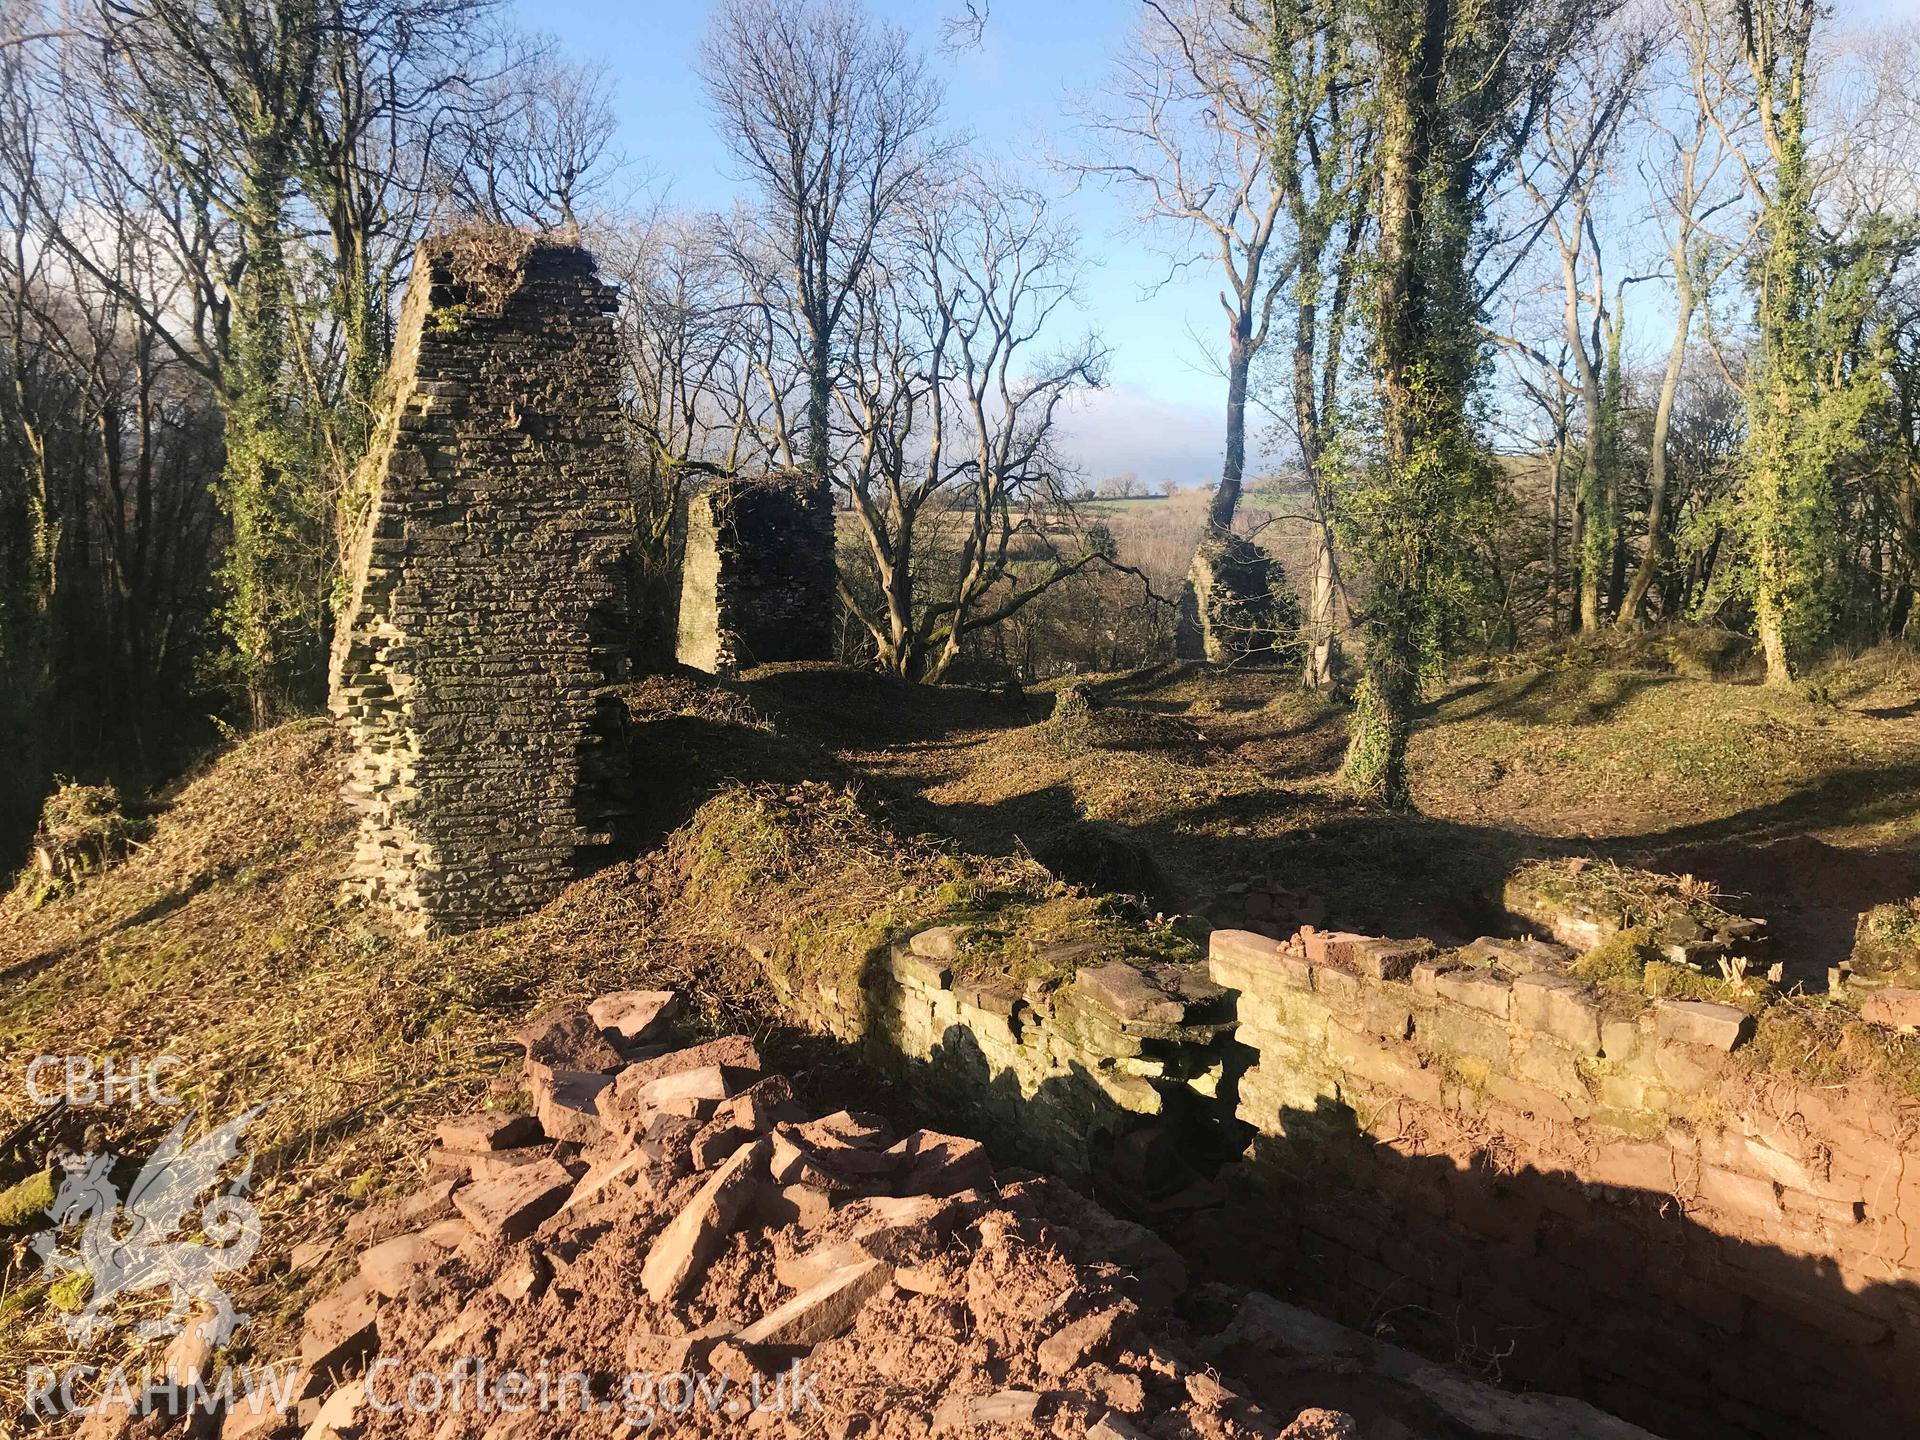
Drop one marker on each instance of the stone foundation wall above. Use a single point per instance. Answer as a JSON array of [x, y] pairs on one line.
[[488, 615], [1602, 1199], [757, 581], [1485, 1161], [1090, 1079]]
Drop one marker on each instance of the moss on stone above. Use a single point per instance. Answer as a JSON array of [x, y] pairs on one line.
[[1821, 1040], [818, 885]]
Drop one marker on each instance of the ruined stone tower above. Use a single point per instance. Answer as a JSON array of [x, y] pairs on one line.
[[488, 615], [757, 581]]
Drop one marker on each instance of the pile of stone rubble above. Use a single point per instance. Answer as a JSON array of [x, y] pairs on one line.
[[668, 1240]]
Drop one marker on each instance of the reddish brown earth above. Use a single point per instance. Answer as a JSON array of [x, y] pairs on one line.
[[709, 1260]]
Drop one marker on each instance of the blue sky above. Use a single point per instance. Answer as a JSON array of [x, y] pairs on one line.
[[1162, 412]]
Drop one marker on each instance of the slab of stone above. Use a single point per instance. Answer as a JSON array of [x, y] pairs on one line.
[[1702, 1022], [339, 1329], [833, 1167], [1560, 1006], [1476, 989], [490, 1164], [942, 1164], [681, 1252], [568, 1039], [744, 1117], [1003, 1407], [736, 1055], [803, 1206], [1377, 959], [391, 1267], [1084, 1339], [1242, 960], [610, 1178], [567, 1102], [823, 1310], [1893, 1006], [510, 1207], [339, 1415], [910, 968], [1129, 994], [939, 942], [709, 1082], [990, 996], [1517, 957], [487, 1130], [636, 1016]]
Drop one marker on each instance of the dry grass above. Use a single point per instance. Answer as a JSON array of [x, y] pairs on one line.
[[223, 942], [819, 883]]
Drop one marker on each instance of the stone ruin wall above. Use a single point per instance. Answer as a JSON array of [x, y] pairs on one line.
[[757, 580], [1236, 606], [1496, 1169], [488, 614]]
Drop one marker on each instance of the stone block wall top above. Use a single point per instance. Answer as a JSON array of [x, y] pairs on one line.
[[488, 616]]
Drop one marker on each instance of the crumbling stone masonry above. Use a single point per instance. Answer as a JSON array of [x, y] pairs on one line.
[[1236, 606], [488, 615], [1582, 1192], [758, 579]]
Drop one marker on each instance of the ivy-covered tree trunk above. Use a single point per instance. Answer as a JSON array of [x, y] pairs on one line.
[[267, 615], [1411, 48], [1803, 411], [1412, 514]]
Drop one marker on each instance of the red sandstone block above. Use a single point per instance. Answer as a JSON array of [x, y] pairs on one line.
[[1856, 1150], [1340, 990], [1477, 990], [1739, 1194], [1367, 1059], [1701, 1022], [1634, 1165], [1532, 1100], [1547, 1063], [1688, 1068], [1896, 1007], [1242, 960], [1559, 1006]]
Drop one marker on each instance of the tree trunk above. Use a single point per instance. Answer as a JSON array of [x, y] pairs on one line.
[[1322, 656], [1323, 637], [1659, 542], [256, 431], [1189, 642], [1408, 96]]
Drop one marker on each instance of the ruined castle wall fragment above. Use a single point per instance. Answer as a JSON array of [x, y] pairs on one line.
[[488, 614]]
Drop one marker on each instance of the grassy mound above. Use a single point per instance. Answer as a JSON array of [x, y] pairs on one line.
[[1575, 743], [817, 883]]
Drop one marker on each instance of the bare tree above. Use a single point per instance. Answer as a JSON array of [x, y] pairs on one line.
[[952, 397], [538, 142], [1683, 172], [1565, 177], [831, 117]]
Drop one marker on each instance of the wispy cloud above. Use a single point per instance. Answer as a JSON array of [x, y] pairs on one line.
[[1120, 429]]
